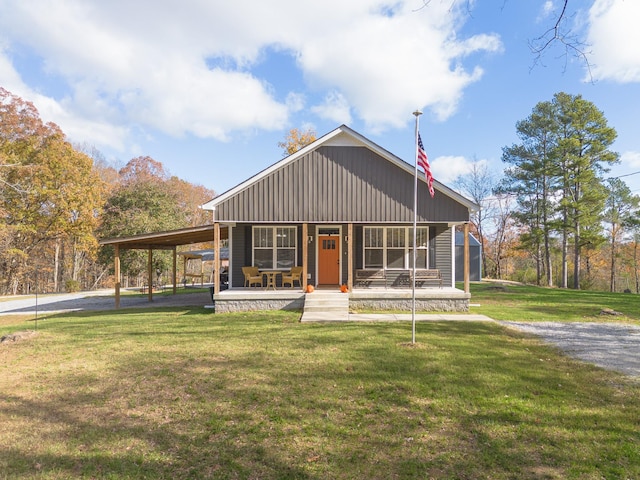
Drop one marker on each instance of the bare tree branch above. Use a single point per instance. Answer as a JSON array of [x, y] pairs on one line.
[[559, 34]]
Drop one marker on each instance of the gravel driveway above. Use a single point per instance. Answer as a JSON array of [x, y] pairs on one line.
[[608, 345]]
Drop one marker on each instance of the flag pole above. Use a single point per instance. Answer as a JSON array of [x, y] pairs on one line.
[[417, 114]]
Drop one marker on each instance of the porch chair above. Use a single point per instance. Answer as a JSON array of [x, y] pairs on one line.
[[251, 276], [294, 274]]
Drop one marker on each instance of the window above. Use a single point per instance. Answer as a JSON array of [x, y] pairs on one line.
[[373, 247], [422, 247], [274, 247], [392, 247], [396, 247]]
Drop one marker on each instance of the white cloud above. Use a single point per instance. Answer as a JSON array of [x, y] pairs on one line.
[[630, 160], [191, 69], [446, 169], [614, 38], [388, 66], [335, 107], [76, 126], [547, 9]]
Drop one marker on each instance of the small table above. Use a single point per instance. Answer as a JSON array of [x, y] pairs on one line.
[[271, 278]]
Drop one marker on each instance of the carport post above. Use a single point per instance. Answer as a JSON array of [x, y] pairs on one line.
[[116, 268], [150, 273], [175, 270]]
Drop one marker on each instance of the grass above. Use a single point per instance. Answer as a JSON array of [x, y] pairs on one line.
[[529, 303], [183, 393]]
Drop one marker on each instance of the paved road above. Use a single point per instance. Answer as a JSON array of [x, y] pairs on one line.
[[97, 300]]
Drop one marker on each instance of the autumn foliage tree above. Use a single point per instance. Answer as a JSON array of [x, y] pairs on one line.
[[50, 203], [297, 139], [58, 198], [147, 199]]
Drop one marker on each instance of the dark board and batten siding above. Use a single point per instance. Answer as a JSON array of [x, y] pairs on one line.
[[338, 184], [444, 251]]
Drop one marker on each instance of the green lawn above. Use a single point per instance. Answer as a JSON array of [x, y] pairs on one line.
[[183, 393], [529, 303]]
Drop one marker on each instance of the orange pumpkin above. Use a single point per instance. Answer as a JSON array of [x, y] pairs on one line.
[[309, 288], [344, 288]]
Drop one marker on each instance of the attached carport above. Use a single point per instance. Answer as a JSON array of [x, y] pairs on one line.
[[169, 240]]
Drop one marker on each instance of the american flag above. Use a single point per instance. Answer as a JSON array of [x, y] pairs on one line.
[[423, 161]]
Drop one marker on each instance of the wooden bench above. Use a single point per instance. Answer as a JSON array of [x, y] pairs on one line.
[[368, 275], [429, 276]]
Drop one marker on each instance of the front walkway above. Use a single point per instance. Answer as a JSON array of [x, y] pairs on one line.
[[398, 317]]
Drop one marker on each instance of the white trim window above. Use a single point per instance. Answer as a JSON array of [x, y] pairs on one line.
[[392, 247], [373, 247], [275, 247]]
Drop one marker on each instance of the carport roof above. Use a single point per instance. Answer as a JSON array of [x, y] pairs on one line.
[[167, 240]]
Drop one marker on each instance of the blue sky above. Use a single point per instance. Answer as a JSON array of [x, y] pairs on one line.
[[209, 88]]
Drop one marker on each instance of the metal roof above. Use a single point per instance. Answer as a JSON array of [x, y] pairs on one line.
[[167, 240], [206, 255]]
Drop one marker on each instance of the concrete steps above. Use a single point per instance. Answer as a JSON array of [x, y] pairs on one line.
[[325, 306]]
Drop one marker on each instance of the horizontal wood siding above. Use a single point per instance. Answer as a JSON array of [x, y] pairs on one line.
[[338, 184]]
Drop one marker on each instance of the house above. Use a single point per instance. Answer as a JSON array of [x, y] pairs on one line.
[[342, 210]]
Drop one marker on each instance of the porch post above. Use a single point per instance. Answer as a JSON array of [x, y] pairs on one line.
[[350, 257], [216, 258], [150, 273], [184, 269], [305, 256], [116, 268], [466, 258], [175, 269]]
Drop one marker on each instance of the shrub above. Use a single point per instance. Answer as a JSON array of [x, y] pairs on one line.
[[72, 286]]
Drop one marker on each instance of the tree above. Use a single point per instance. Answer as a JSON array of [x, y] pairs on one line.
[[50, 196], [533, 180], [556, 175], [620, 214], [503, 237], [189, 197], [147, 200], [479, 185], [583, 146], [297, 139]]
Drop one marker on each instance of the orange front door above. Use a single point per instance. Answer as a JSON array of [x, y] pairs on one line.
[[329, 260]]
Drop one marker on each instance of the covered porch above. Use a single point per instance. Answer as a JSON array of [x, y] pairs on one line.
[[371, 295]]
